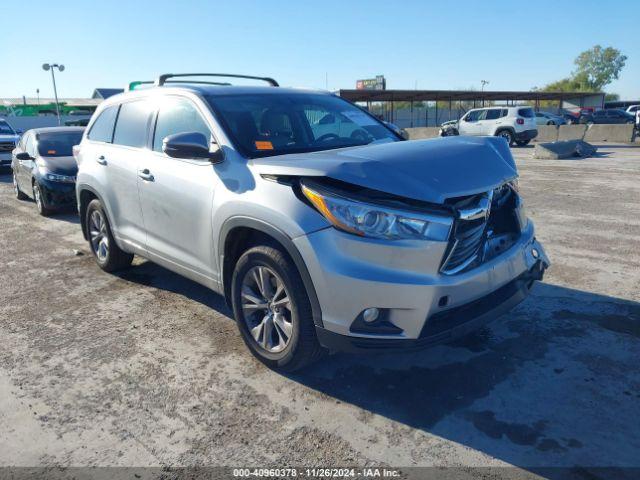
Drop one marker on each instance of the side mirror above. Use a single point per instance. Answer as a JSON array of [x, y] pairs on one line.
[[194, 145], [23, 156], [401, 132]]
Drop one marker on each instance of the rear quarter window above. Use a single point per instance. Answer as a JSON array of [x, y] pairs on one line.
[[526, 112], [102, 128]]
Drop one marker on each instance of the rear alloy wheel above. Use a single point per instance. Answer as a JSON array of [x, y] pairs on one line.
[[507, 135], [16, 188], [272, 309], [551, 122], [108, 255], [37, 196]]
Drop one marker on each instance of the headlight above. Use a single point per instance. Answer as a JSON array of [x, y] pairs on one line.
[[54, 177], [369, 220]]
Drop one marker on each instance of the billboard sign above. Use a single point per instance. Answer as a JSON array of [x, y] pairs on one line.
[[378, 83]]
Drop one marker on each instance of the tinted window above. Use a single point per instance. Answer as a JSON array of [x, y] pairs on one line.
[[5, 129], [29, 146], [492, 114], [58, 144], [132, 123], [526, 112], [504, 112], [102, 128], [177, 115], [271, 124], [473, 116]]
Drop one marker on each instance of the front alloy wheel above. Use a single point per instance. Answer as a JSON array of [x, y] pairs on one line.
[[272, 309], [267, 309], [37, 196]]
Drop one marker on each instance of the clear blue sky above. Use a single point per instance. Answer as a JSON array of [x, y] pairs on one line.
[[444, 44]]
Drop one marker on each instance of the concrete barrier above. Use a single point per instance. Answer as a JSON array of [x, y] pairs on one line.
[[546, 133], [564, 149], [422, 132], [571, 132], [610, 133]]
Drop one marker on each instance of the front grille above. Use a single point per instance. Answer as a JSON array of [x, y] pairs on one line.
[[467, 239], [479, 216], [7, 146]]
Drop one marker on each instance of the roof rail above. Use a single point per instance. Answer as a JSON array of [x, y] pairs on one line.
[[162, 79], [136, 84]]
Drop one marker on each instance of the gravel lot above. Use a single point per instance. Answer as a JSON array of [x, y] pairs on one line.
[[147, 369]]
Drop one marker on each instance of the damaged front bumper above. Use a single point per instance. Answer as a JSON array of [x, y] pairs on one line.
[[424, 308]]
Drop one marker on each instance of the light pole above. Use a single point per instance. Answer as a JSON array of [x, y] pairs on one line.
[[38, 94], [52, 67], [483, 82]]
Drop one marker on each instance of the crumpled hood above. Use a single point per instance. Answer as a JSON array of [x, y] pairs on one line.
[[60, 165], [428, 170]]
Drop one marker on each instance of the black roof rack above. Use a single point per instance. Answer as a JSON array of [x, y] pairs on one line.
[[162, 79]]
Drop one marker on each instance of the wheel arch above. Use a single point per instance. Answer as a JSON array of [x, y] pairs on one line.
[[85, 195], [240, 233]]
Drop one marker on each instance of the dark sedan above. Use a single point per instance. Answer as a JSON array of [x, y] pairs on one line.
[[609, 116], [44, 168]]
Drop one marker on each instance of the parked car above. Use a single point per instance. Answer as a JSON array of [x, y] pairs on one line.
[[44, 168], [633, 110], [449, 128], [609, 116], [319, 239], [8, 139], [546, 118], [514, 124]]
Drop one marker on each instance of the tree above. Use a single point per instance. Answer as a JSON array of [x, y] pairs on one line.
[[598, 67]]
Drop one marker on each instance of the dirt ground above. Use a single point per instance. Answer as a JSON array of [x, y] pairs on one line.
[[147, 369]]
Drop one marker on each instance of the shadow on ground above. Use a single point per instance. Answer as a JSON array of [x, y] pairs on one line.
[[553, 383]]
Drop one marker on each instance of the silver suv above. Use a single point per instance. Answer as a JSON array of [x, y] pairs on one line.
[[321, 227]]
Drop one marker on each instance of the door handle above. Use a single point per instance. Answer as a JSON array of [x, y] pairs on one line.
[[145, 175], [101, 160]]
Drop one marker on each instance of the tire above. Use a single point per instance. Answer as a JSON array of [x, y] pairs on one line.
[[37, 196], [108, 255], [20, 195], [287, 344], [507, 135], [551, 122], [522, 143]]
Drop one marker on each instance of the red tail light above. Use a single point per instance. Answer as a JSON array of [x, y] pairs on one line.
[[520, 121]]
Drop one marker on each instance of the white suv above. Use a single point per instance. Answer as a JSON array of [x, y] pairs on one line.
[[514, 124]]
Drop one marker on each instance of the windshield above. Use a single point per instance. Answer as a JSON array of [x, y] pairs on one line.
[[58, 144], [5, 129], [262, 125]]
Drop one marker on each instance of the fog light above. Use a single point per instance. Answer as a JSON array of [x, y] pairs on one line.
[[535, 253], [370, 315]]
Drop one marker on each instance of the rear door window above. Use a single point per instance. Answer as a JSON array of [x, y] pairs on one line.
[[132, 124], [493, 114], [102, 128]]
